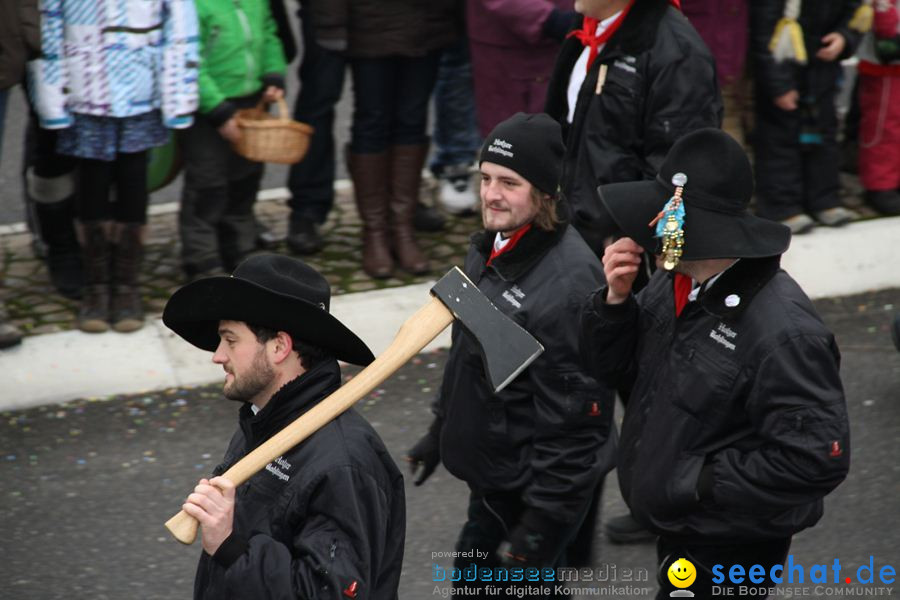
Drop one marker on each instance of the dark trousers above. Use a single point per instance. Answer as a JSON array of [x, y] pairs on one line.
[[311, 181], [391, 97], [794, 177], [705, 556], [216, 223], [489, 522], [128, 174]]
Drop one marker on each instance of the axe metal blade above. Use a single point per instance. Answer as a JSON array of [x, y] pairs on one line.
[[506, 348]]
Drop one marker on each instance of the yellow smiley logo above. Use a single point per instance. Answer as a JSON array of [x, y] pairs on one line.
[[682, 573]]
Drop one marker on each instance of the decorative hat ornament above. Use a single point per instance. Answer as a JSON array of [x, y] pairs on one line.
[[669, 224], [863, 17], [787, 41]]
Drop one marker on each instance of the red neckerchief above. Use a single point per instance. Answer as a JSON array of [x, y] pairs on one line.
[[588, 33], [513, 240], [683, 286]]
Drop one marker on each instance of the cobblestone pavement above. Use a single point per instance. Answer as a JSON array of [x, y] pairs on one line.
[[35, 307]]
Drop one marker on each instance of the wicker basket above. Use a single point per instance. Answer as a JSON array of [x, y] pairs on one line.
[[267, 138]]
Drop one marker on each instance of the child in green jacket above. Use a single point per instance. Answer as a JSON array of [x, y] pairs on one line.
[[241, 64]]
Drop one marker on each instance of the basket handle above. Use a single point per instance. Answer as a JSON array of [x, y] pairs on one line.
[[283, 113]]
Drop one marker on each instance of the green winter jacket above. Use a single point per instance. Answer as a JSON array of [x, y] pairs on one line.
[[239, 50]]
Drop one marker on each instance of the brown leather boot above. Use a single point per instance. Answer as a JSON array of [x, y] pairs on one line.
[[93, 314], [370, 184], [406, 177], [126, 313]]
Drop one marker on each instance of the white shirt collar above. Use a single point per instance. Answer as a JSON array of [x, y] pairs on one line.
[[500, 242], [708, 284]]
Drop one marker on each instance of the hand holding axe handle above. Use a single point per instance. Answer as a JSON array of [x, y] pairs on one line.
[[506, 349]]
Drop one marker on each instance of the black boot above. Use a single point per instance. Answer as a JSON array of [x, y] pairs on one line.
[[428, 218], [127, 314], [887, 202], [303, 236], [93, 315], [54, 223]]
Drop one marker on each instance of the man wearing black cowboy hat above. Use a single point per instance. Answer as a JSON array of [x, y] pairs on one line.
[[533, 453], [326, 519], [737, 426]]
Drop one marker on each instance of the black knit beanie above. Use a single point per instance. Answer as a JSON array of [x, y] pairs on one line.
[[530, 145]]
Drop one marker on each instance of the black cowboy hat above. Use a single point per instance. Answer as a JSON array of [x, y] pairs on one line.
[[719, 185], [267, 290]]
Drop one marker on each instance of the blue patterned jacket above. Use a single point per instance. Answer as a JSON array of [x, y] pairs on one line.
[[116, 58]]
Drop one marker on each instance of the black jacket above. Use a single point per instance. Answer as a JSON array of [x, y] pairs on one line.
[[382, 28], [548, 434], [328, 514], [816, 19], [20, 39], [736, 427], [660, 85]]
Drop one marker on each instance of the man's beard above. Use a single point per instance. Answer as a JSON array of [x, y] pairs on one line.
[[246, 387]]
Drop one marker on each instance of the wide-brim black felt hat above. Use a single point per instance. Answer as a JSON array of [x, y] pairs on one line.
[[716, 195], [268, 290]]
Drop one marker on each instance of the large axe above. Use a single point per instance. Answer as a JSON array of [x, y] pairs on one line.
[[506, 350]]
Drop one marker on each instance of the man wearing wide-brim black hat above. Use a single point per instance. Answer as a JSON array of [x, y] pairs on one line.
[[327, 517], [736, 427]]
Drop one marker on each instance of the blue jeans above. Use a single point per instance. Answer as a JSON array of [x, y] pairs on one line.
[[391, 96], [456, 137], [311, 181]]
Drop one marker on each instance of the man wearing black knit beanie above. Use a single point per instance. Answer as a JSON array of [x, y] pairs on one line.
[[533, 453]]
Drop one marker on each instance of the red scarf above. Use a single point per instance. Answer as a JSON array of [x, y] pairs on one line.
[[588, 33], [683, 286], [513, 240]]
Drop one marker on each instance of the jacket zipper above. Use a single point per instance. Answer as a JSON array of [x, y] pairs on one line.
[[248, 54]]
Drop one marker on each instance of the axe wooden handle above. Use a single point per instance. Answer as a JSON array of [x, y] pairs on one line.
[[413, 335]]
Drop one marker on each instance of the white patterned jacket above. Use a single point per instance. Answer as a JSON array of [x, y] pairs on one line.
[[116, 58]]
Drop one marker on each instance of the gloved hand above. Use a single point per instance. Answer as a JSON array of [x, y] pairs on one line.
[[537, 541], [559, 23], [426, 453]]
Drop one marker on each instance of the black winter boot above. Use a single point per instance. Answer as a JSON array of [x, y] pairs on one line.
[[50, 201]]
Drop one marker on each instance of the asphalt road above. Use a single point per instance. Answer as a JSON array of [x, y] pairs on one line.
[[87, 485]]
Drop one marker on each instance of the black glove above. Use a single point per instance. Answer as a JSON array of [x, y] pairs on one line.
[[537, 541], [426, 453], [559, 23]]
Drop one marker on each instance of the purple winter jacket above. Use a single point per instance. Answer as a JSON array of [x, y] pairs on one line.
[[512, 58], [511, 23], [724, 26]]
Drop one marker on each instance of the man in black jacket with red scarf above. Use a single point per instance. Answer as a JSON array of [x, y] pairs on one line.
[[634, 79], [533, 453], [736, 427], [630, 82]]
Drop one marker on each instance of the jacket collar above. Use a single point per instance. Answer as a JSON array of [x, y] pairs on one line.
[[292, 400], [733, 292], [636, 34], [511, 265]]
